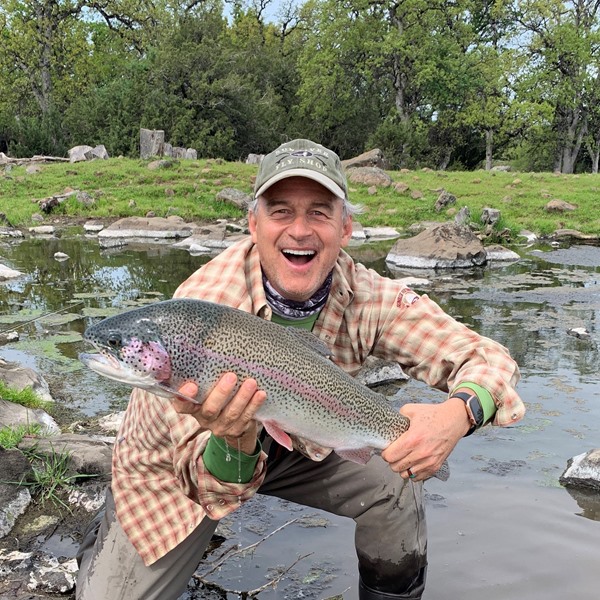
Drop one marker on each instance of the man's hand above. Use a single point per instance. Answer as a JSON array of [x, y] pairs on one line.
[[225, 412], [434, 431]]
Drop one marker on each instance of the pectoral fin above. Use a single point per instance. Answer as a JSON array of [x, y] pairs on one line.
[[280, 436]]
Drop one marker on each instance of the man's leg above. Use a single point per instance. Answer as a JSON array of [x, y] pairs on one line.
[[111, 569], [391, 537]]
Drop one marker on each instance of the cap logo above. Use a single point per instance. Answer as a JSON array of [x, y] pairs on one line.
[[300, 158]]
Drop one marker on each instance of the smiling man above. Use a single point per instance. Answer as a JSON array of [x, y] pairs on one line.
[[173, 473]]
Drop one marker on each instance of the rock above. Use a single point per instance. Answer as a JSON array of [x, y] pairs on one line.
[[87, 455], [254, 159], [85, 199], [573, 234], [148, 227], [372, 158], [376, 371], [33, 169], [90, 497], [160, 164], [8, 336], [498, 253], [502, 168], [43, 572], [111, 422], [558, 205], [579, 332], [151, 143], [490, 216], [401, 187], [77, 153], [444, 199], [529, 236], [93, 227], [191, 154], [18, 377], [61, 256], [358, 232], [82, 153], [235, 197], [441, 246], [42, 230], [369, 176], [13, 415], [8, 273], [381, 233], [14, 499], [583, 471], [463, 216]]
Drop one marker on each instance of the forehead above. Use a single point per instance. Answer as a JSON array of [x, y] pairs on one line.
[[299, 188]]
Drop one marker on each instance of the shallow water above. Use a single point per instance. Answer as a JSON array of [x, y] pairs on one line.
[[501, 527]]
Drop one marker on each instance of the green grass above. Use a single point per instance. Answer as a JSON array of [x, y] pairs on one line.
[[51, 476], [25, 397], [10, 437], [126, 187]]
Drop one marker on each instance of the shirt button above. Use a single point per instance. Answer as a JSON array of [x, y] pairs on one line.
[[222, 502], [209, 507]]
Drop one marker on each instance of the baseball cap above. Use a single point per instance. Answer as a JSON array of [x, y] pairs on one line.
[[302, 158]]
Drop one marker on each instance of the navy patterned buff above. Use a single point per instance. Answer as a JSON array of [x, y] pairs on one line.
[[292, 309]]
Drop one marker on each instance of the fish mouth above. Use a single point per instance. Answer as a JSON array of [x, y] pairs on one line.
[[298, 257], [109, 366]]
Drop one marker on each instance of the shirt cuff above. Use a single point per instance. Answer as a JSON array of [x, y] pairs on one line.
[[229, 464], [485, 399]]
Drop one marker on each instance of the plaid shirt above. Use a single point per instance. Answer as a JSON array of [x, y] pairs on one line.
[[161, 488]]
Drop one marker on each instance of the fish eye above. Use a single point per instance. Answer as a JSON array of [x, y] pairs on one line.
[[114, 340]]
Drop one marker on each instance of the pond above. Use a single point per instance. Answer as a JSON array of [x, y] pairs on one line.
[[501, 527]]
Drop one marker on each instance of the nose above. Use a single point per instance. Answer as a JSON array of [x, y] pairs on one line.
[[300, 227]]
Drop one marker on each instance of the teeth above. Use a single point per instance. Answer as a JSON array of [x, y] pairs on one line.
[[300, 252]]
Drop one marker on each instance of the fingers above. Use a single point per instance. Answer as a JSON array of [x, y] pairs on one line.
[[228, 410]]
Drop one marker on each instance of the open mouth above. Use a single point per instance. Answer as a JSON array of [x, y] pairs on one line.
[[299, 257]]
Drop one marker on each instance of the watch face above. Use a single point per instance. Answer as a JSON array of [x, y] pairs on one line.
[[476, 410]]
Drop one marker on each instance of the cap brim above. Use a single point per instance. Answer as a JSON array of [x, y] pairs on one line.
[[331, 185]]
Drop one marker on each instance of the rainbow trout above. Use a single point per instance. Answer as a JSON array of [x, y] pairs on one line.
[[163, 345]]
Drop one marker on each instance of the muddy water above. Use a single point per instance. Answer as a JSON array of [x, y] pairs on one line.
[[501, 527]]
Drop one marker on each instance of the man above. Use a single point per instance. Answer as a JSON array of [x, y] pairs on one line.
[[172, 481]]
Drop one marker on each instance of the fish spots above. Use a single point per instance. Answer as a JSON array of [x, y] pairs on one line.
[[147, 357]]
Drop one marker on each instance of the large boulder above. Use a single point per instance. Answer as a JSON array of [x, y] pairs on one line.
[[82, 153], [152, 143], [444, 246], [148, 227], [372, 158]]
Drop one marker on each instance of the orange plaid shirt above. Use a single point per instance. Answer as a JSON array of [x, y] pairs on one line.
[[161, 488]]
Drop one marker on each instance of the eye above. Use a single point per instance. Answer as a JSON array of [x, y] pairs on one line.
[[114, 340]]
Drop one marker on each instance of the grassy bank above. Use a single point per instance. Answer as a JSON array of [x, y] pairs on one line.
[[126, 187]]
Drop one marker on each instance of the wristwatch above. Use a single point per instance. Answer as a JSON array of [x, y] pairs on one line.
[[474, 410]]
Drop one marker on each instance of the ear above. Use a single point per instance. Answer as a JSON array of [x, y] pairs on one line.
[[252, 225], [346, 231]]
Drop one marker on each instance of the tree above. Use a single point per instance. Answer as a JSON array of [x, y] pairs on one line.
[[563, 57]]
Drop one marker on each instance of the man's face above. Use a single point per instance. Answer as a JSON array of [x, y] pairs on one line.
[[298, 230]]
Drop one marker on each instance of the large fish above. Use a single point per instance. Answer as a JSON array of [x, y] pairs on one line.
[[163, 345]]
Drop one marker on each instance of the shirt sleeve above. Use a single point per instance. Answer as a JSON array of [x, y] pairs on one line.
[[435, 348]]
